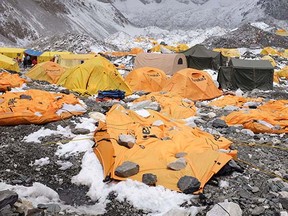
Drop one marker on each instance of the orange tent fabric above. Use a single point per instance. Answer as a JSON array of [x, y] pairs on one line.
[[192, 84], [147, 79], [37, 107], [8, 81], [156, 146], [271, 117], [232, 100], [172, 105], [46, 71]]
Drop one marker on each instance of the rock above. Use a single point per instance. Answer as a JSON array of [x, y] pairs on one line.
[[7, 211], [80, 131], [247, 132], [223, 208], [65, 91], [180, 154], [127, 169], [219, 123], [259, 210], [7, 197], [149, 179], [179, 164], [283, 199], [255, 189], [126, 140], [283, 213], [188, 184], [36, 212], [27, 97]]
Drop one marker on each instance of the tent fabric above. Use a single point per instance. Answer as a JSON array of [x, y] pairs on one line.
[[272, 117], [169, 63], [48, 56], [193, 84], [283, 72], [281, 32], [156, 146], [46, 71], [232, 100], [133, 51], [8, 81], [251, 74], [94, 75], [71, 60], [8, 63], [12, 52], [172, 105], [230, 53], [269, 51], [224, 77], [37, 107], [199, 57], [32, 52], [269, 58], [146, 79]]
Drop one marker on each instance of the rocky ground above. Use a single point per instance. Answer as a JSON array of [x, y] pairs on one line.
[[261, 189]]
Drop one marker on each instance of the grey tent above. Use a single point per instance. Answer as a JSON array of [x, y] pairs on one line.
[[199, 57], [247, 75]]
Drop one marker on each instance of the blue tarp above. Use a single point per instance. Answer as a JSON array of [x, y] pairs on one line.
[[33, 52]]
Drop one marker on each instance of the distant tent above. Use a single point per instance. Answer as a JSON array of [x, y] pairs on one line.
[[94, 75], [247, 75], [281, 32], [230, 53], [12, 52], [46, 71], [8, 63], [192, 84], [146, 79], [169, 63], [269, 51], [71, 60], [49, 56], [199, 57]]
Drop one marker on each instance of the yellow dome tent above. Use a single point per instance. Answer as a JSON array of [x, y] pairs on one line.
[[157, 145], [71, 60], [48, 56], [46, 71], [94, 75], [231, 53], [12, 52], [8, 63], [192, 84], [8, 81], [147, 79]]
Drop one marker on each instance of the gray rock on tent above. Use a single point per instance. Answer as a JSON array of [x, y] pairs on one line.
[[149, 179], [179, 164], [127, 169], [188, 184]]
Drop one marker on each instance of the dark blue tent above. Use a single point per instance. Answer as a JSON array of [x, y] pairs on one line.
[[33, 52]]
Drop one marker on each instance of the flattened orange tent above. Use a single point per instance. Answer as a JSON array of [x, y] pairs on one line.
[[46, 71], [147, 79], [232, 100], [192, 84], [37, 107], [172, 105], [8, 81], [157, 145]]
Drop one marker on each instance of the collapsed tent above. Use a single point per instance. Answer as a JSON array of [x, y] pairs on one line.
[[8, 63], [232, 100], [246, 75], [50, 56], [46, 71], [8, 81], [146, 79], [71, 60], [169, 63], [12, 52], [159, 141], [199, 57], [171, 104], [37, 107], [94, 75], [271, 117], [192, 84]]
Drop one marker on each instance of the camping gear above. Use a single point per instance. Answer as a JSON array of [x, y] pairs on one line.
[[8, 81], [169, 63], [8, 63], [94, 75], [157, 146], [37, 107], [199, 57], [192, 84], [246, 75], [110, 94], [46, 71], [147, 79]]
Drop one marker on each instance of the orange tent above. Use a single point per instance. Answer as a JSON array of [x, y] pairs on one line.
[[172, 105], [232, 100], [192, 84], [147, 79], [157, 145], [8, 81], [47, 71], [37, 107]]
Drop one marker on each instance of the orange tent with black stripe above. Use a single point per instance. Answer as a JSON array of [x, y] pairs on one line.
[[193, 84], [157, 145]]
